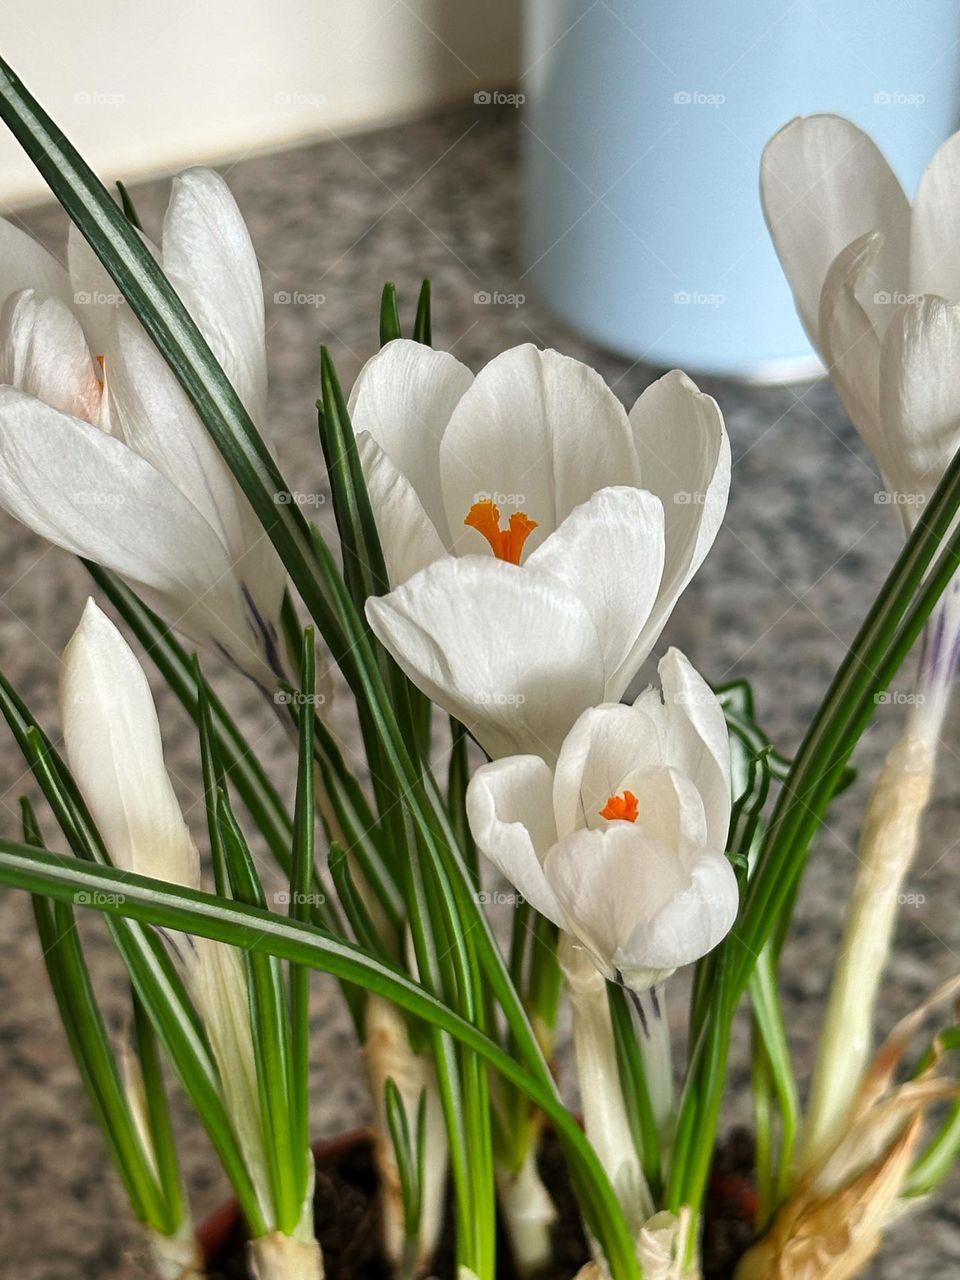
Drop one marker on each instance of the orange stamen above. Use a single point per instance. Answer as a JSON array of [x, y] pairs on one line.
[[624, 808], [506, 544]]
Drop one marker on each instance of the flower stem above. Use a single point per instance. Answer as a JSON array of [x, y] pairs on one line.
[[887, 846], [604, 1111]]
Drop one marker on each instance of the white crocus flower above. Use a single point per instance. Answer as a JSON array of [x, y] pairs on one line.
[[536, 535], [622, 844], [115, 754], [877, 286], [100, 449]]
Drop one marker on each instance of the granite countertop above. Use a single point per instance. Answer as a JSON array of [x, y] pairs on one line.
[[802, 551]]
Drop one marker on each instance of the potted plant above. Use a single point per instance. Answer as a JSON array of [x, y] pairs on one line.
[[511, 547]]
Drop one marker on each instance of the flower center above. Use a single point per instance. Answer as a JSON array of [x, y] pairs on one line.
[[506, 544], [623, 808]]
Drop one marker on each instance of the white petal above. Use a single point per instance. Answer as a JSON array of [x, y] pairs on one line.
[[824, 183], [404, 397], [684, 453], [935, 226], [95, 295], [511, 653], [606, 882], [44, 353], [850, 344], [408, 536], [116, 756], [920, 396], [537, 432], [210, 260], [686, 927], [510, 810], [605, 746], [696, 741], [609, 551], [153, 415], [89, 493], [25, 264]]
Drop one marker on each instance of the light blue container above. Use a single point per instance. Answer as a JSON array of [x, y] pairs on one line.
[[644, 125]]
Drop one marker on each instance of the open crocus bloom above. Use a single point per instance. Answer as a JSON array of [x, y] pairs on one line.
[[100, 449], [622, 844], [877, 286], [115, 754], [536, 535]]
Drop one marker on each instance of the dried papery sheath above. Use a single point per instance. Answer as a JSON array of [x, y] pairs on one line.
[[834, 1221]]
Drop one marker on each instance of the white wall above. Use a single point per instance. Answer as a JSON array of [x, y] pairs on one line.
[[146, 86]]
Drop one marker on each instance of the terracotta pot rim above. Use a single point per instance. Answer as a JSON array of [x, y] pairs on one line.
[[215, 1230]]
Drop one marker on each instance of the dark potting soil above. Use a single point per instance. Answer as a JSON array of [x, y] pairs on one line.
[[346, 1211]]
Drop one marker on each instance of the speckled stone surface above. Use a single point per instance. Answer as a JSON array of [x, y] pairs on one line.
[[793, 571]]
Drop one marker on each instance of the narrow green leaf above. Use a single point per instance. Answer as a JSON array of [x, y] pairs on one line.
[[633, 1086], [128, 207], [194, 912], [423, 325], [409, 1159], [302, 879], [389, 314]]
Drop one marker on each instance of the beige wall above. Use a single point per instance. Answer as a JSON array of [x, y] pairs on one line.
[[145, 86]]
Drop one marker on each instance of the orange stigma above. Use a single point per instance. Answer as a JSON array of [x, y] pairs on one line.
[[507, 544], [623, 807]]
